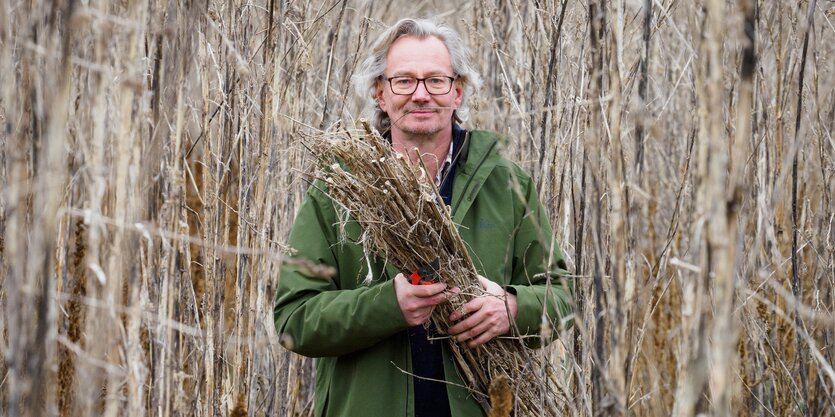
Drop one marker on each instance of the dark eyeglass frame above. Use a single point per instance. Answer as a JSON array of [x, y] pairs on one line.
[[420, 80]]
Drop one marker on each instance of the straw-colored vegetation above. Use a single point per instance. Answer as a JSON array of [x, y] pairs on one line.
[[150, 169]]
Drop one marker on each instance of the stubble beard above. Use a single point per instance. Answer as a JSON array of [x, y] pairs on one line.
[[421, 129]]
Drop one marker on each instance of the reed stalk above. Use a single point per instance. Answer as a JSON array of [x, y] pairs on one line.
[[683, 151]]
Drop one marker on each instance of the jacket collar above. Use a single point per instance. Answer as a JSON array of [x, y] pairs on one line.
[[479, 155]]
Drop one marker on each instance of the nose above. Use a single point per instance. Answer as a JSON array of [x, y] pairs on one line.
[[421, 94]]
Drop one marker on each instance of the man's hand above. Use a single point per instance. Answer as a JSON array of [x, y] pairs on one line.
[[488, 315], [417, 301]]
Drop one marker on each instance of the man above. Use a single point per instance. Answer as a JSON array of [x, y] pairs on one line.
[[378, 356]]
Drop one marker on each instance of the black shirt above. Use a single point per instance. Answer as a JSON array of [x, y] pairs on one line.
[[431, 398]]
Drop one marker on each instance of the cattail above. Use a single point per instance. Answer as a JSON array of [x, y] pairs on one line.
[[187, 120], [75, 320], [501, 397], [240, 407]]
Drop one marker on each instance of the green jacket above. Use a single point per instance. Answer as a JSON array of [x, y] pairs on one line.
[[357, 330]]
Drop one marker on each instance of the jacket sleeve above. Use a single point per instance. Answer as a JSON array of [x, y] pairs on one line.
[[314, 316], [540, 281]]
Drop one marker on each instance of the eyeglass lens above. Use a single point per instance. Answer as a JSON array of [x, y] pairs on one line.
[[408, 85]]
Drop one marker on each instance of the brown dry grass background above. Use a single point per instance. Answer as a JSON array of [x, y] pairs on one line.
[[150, 170]]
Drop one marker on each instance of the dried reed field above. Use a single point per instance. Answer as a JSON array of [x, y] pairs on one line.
[[150, 169]]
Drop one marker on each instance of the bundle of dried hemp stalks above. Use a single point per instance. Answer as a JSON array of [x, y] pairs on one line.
[[405, 222]]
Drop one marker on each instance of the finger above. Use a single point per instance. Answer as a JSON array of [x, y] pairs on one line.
[[441, 298], [473, 333], [432, 301], [428, 290], [497, 314], [481, 339], [467, 324], [470, 307]]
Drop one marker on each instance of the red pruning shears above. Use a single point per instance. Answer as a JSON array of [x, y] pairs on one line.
[[426, 274]]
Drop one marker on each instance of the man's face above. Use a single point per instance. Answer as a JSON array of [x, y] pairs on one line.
[[418, 114]]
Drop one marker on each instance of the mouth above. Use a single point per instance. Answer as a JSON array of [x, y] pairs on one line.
[[421, 111]]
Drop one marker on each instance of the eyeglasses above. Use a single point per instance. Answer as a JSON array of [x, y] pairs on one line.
[[406, 86]]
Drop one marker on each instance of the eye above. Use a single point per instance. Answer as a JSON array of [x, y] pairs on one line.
[[437, 81], [403, 81]]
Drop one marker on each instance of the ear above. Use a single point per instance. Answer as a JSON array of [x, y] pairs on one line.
[[378, 95], [458, 88]]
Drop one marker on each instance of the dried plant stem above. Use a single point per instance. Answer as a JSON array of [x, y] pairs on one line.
[[404, 222], [795, 262], [161, 139]]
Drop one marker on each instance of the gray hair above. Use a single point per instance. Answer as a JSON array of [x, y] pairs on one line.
[[374, 66]]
